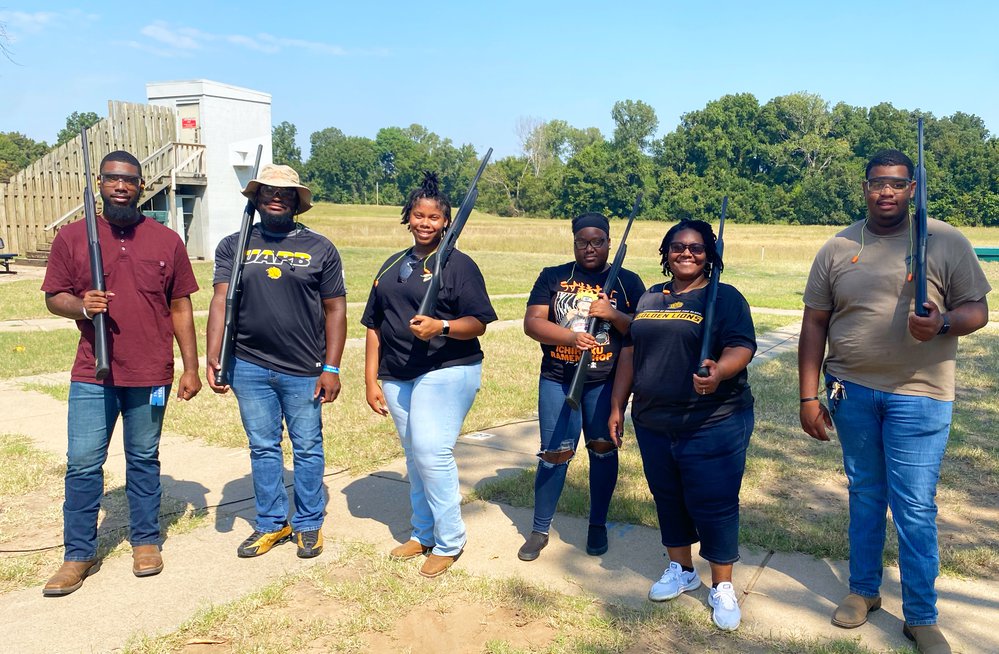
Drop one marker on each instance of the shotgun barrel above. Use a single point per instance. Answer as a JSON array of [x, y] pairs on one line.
[[429, 304], [102, 363], [233, 293], [921, 227], [575, 394], [709, 312]]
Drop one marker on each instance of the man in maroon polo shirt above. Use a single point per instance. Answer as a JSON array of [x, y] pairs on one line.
[[149, 282]]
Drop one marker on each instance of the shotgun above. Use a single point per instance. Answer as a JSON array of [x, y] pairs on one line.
[[709, 312], [575, 394], [222, 376], [102, 364], [921, 227], [429, 304]]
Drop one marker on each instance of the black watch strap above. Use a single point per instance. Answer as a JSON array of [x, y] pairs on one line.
[[945, 327]]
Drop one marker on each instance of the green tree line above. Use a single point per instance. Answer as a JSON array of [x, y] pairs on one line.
[[794, 159]]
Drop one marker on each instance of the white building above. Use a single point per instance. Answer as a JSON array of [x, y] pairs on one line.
[[230, 122]]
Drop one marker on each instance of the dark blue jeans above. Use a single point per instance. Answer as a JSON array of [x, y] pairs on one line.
[[560, 427], [695, 478], [93, 412]]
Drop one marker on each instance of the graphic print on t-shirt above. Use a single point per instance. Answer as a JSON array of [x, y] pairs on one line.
[[572, 310], [672, 311], [272, 258]]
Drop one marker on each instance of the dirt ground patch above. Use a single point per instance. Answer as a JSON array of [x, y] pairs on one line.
[[466, 629]]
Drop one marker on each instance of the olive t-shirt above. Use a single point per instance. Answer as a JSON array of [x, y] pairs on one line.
[[870, 301]]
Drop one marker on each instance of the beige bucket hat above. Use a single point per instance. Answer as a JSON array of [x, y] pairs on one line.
[[282, 177]]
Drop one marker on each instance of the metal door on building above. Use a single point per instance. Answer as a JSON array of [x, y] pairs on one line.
[[190, 122]]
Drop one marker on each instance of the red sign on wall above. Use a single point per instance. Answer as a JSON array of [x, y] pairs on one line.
[[188, 123]]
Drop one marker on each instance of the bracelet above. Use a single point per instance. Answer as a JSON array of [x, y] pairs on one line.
[[809, 399], [85, 314], [333, 369]]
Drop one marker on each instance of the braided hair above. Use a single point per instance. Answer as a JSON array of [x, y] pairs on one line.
[[430, 189], [711, 258]]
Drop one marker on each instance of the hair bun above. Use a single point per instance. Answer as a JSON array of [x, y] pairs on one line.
[[430, 187]]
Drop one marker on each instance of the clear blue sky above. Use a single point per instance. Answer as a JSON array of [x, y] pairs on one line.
[[469, 70]]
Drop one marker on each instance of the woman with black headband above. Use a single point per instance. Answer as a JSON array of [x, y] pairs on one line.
[[692, 431], [430, 368], [562, 299]]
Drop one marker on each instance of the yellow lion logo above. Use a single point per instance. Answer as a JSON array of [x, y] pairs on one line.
[[676, 305], [273, 272]]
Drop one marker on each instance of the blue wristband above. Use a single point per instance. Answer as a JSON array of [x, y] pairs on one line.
[[333, 369]]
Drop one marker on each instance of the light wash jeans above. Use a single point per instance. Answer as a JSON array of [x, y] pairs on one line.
[[265, 397], [428, 412], [892, 448], [93, 412]]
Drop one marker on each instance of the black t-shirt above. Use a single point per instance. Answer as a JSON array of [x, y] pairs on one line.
[[393, 302], [281, 324], [667, 333], [568, 290]]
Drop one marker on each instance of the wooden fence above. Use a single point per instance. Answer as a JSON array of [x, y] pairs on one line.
[[52, 186]]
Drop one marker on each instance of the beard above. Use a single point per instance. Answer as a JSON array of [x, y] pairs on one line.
[[122, 216], [277, 222]]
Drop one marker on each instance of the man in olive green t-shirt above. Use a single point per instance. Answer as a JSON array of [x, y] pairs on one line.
[[890, 378]]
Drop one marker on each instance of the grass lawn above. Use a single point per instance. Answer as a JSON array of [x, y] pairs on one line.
[[31, 494], [768, 263]]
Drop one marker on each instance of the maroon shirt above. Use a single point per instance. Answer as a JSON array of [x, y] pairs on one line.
[[145, 266]]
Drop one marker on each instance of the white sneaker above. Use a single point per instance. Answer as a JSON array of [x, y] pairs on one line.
[[673, 582], [726, 613]]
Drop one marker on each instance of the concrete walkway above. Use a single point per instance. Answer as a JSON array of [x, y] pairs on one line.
[[782, 594]]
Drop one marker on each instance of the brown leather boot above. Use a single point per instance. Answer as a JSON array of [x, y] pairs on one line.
[[928, 639], [852, 611], [436, 565], [410, 550], [146, 560], [70, 577]]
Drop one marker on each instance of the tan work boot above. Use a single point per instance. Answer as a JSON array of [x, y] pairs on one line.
[[410, 550], [70, 577], [852, 611], [146, 560], [436, 565], [928, 639]]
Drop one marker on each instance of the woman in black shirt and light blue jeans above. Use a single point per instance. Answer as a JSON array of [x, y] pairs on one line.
[[430, 368]]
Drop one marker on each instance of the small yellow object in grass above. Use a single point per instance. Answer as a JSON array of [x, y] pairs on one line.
[[19, 348]]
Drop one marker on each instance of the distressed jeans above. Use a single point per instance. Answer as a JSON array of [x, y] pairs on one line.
[[560, 427], [93, 412], [892, 448], [428, 412], [265, 397]]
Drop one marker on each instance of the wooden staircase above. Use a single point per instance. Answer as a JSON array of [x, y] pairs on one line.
[[48, 194]]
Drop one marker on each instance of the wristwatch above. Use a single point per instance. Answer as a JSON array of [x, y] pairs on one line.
[[445, 328], [945, 327]]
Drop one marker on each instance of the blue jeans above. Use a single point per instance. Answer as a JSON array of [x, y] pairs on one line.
[[265, 397], [428, 412], [93, 412], [892, 448], [560, 427], [695, 478]]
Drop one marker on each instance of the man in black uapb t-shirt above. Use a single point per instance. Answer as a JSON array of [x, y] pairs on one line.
[[290, 333]]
